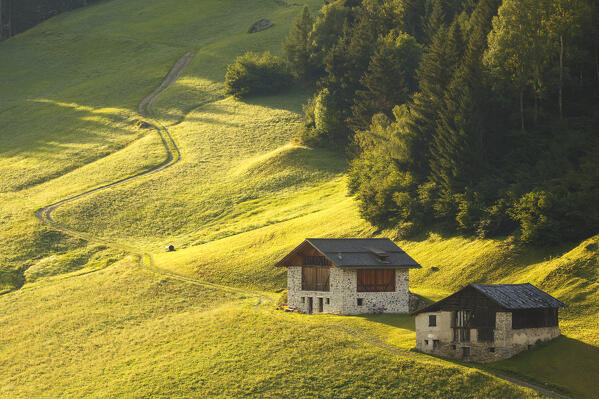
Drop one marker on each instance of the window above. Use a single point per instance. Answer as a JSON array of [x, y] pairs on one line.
[[426, 342], [376, 280], [360, 301], [315, 278], [492, 350], [436, 344], [453, 347], [432, 321], [303, 299], [461, 334], [328, 300], [485, 335], [534, 318]]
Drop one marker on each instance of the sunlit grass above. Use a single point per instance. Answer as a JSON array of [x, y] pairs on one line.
[[122, 331], [88, 323]]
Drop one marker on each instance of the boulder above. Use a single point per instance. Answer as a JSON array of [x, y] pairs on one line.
[[142, 124], [260, 25]]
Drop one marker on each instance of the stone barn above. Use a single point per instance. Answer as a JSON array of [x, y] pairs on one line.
[[348, 276], [484, 323]]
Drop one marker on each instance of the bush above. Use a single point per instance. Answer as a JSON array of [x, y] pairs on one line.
[[321, 122], [254, 74], [534, 212]]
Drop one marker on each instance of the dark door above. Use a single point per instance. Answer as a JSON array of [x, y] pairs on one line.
[[310, 304], [321, 305], [465, 353]]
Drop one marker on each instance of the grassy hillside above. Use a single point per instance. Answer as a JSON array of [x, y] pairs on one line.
[[123, 332], [89, 321]]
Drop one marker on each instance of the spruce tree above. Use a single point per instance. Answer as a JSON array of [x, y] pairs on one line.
[[345, 64], [390, 79], [433, 21], [457, 153], [434, 75], [297, 44]]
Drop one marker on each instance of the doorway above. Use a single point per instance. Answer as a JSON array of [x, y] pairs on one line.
[[465, 353], [310, 305], [320, 305]]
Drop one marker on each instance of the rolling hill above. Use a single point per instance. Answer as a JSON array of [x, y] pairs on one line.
[[106, 313]]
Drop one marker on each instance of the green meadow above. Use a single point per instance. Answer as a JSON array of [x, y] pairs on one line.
[[88, 319]]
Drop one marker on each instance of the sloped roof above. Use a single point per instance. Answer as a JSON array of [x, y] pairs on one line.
[[518, 296], [360, 253], [507, 296]]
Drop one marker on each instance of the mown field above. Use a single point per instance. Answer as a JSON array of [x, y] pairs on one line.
[[88, 320]]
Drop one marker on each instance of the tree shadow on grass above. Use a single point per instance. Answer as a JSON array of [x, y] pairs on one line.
[[566, 364], [403, 321]]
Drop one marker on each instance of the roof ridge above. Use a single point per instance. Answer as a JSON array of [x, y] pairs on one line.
[[502, 284]]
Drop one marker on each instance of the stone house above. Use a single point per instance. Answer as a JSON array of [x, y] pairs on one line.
[[484, 323], [348, 276]]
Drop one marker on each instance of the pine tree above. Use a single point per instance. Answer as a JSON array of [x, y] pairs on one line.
[[345, 64], [434, 75], [457, 154], [390, 79], [297, 44], [433, 21]]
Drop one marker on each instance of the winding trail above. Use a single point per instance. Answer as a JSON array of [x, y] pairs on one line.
[[146, 259]]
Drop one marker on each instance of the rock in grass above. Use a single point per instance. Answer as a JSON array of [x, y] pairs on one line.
[[260, 25], [142, 124]]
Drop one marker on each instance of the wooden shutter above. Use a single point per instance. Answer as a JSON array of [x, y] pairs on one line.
[[376, 280], [315, 278]]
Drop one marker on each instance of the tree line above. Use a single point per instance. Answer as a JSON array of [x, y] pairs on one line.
[[479, 117], [17, 16]]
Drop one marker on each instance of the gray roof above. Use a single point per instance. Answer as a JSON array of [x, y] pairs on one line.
[[518, 296], [363, 252], [507, 296]]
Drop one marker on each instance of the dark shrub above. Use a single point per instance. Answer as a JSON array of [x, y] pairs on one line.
[[534, 211], [255, 74]]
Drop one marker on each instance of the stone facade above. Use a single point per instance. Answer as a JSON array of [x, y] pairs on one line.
[[342, 297], [439, 340]]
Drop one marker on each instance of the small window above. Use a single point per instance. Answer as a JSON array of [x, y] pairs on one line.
[[436, 344], [360, 301], [432, 321], [328, 300], [492, 350], [303, 299], [453, 347], [426, 342]]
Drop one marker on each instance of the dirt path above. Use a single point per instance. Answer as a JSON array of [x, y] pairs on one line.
[[173, 154], [146, 259]]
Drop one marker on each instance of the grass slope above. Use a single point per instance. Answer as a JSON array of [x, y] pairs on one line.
[[123, 332], [89, 322]]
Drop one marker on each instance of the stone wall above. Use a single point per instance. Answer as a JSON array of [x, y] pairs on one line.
[[427, 335], [343, 296], [507, 341]]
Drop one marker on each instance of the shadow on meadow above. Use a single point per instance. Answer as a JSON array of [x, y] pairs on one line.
[[566, 363], [405, 322]]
